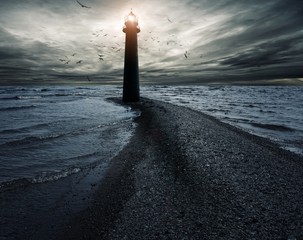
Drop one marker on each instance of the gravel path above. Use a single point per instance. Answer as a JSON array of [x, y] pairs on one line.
[[185, 175]]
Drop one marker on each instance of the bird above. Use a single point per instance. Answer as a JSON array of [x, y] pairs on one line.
[[185, 54], [79, 62], [169, 20], [171, 42], [74, 54], [101, 57], [82, 5], [67, 62], [62, 60]]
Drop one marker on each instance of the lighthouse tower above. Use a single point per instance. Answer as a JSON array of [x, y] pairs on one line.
[[131, 68]]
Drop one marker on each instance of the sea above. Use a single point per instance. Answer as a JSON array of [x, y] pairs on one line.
[[49, 133]]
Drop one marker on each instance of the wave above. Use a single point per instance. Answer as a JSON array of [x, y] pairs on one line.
[[13, 90], [84, 88], [216, 88], [50, 177], [24, 129], [236, 119], [42, 178], [20, 97], [266, 111], [9, 98], [30, 139], [57, 95], [216, 110], [17, 108], [275, 127], [34, 139], [28, 97]]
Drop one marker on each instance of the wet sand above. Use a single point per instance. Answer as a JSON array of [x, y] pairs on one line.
[[185, 175]]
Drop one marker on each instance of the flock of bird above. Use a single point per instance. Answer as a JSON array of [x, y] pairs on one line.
[[117, 48], [67, 59]]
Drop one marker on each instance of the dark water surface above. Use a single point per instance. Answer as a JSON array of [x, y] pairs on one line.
[[274, 112], [50, 133], [57, 143]]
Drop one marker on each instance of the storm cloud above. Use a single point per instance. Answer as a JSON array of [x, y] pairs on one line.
[[224, 41]]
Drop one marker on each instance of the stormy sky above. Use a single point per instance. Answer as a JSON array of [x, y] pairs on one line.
[[181, 41]]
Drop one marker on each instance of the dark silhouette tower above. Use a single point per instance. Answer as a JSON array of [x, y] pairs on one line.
[[131, 69]]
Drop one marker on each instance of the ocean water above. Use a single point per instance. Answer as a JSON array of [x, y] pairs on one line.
[[273, 112], [48, 133]]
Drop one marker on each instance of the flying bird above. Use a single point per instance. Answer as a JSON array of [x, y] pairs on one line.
[[74, 54], [185, 54], [101, 57], [82, 5], [169, 20], [67, 62], [79, 62]]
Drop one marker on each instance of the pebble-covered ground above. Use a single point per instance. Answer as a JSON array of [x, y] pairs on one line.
[[185, 175]]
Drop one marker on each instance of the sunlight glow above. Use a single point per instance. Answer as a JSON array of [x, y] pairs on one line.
[[131, 17]]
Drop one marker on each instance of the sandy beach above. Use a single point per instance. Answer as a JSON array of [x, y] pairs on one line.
[[185, 175]]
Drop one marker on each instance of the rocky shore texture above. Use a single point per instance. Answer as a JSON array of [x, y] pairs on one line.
[[185, 175]]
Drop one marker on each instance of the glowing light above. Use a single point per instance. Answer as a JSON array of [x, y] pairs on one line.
[[131, 18]]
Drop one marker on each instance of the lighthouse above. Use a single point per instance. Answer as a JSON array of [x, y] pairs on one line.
[[131, 92]]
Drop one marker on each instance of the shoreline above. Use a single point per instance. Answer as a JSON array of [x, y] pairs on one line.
[[186, 175]]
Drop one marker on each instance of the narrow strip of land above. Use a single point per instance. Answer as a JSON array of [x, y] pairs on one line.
[[185, 175]]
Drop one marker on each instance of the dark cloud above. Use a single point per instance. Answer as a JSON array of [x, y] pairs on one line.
[[272, 52], [224, 40]]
